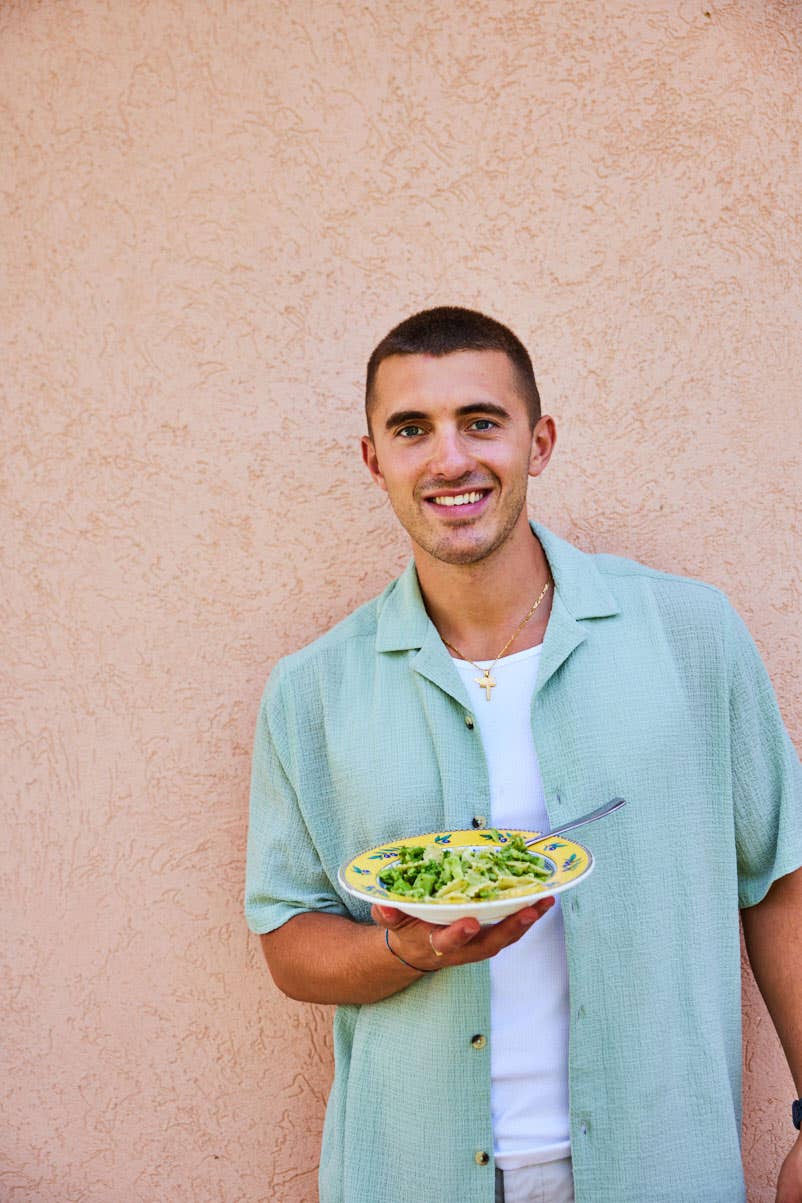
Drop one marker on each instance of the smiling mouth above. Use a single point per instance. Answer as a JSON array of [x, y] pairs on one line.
[[458, 499]]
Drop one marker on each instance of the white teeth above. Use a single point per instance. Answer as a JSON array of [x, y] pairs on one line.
[[460, 499]]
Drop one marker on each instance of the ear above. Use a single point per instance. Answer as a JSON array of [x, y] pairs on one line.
[[544, 438], [371, 461]]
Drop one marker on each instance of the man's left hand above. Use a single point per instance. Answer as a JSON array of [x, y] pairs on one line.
[[789, 1183]]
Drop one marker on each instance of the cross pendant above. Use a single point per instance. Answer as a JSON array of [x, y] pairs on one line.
[[485, 682]]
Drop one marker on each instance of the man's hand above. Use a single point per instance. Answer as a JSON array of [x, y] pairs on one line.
[[789, 1183], [331, 959], [459, 943]]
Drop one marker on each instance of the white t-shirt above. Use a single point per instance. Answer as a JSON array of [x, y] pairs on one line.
[[529, 979]]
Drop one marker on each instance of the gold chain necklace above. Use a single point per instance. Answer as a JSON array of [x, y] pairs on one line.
[[486, 681]]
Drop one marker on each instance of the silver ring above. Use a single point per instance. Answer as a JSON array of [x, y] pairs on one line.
[[431, 945]]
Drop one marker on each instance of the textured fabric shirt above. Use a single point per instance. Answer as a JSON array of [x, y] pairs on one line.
[[649, 687]]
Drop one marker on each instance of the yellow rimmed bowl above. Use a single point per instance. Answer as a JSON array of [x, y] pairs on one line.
[[569, 862]]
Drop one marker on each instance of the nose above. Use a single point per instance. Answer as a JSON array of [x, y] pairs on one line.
[[450, 458]]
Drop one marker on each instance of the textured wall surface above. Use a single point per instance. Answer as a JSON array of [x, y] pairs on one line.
[[210, 211]]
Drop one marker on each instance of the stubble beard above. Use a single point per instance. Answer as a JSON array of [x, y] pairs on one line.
[[443, 546]]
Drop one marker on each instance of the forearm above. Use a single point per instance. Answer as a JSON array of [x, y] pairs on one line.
[[773, 936], [330, 959]]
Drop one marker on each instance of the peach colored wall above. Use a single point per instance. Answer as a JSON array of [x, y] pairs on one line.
[[211, 210]]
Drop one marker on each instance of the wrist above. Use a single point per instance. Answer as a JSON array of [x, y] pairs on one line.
[[398, 957]]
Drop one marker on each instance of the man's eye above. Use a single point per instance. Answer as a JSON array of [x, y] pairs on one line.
[[482, 424], [410, 432]]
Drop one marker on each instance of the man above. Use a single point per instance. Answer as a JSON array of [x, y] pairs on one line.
[[508, 679]]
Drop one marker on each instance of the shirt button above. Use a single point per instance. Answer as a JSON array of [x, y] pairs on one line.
[[585, 1128], [478, 1041], [580, 1013], [469, 722], [481, 1158], [478, 821]]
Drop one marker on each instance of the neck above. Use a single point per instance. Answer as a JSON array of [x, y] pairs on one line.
[[476, 607]]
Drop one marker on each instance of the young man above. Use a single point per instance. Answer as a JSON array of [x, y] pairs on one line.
[[508, 679]]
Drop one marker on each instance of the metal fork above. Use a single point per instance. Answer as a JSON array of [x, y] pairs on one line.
[[598, 813]]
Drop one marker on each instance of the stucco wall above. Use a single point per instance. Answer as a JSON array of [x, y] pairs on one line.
[[211, 210]]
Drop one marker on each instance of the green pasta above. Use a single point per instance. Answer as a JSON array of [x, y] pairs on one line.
[[435, 873]]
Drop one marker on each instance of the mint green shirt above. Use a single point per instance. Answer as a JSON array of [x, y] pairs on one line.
[[649, 687]]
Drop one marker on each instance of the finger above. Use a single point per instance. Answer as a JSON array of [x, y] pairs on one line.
[[482, 942], [511, 929], [530, 914], [522, 920], [514, 926], [386, 916], [454, 936]]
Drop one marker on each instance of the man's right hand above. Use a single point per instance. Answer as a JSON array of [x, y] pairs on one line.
[[324, 958], [428, 946]]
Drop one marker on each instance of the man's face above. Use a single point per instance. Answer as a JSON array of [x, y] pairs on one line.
[[452, 447]]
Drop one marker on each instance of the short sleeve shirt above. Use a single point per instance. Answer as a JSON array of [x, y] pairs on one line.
[[650, 688]]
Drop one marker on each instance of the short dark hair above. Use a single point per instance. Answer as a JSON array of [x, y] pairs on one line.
[[447, 329]]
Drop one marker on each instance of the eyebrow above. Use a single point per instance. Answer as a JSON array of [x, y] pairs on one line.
[[402, 416]]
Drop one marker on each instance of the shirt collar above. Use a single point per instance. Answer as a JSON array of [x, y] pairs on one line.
[[579, 586]]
